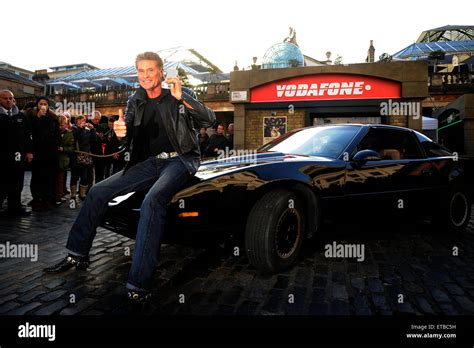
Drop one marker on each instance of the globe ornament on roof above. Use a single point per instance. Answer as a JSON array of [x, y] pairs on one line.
[[283, 55]]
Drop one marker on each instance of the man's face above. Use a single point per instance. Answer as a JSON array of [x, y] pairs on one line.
[[220, 130], [96, 118], [203, 131], [149, 74], [81, 122], [230, 129], [111, 124], [6, 100]]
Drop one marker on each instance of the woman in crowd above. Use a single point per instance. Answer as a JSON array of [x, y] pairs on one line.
[[84, 136], [45, 136], [66, 147]]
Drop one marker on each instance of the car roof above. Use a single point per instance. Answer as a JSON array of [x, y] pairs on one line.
[[372, 125]]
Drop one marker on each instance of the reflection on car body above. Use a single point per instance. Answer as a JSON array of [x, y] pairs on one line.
[[280, 198]]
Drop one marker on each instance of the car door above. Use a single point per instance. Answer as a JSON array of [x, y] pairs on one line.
[[394, 183]]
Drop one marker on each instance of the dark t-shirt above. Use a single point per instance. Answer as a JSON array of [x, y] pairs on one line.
[[155, 137]]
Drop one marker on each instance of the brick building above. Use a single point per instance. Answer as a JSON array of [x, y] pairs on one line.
[[269, 102]]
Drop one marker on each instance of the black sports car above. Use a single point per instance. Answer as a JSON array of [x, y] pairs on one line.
[[279, 196]]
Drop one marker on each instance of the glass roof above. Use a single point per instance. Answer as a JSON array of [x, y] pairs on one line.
[[448, 33], [282, 55], [128, 76], [422, 50]]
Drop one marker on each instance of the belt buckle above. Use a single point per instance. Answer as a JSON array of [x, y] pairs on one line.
[[166, 155], [162, 155]]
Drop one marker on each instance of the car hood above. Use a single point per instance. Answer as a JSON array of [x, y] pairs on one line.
[[213, 168]]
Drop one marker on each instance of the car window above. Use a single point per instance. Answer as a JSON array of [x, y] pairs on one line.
[[431, 148], [391, 144], [434, 150]]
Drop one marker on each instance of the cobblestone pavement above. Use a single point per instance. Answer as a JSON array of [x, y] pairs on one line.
[[408, 260]]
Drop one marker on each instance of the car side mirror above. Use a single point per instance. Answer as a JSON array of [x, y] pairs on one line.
[[363, 156]]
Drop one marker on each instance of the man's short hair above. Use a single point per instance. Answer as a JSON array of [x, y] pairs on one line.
[[80, 117], [149, 56], [63, 119], [5, 91]]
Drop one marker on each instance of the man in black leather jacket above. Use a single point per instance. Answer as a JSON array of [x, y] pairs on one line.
[[159, 126]]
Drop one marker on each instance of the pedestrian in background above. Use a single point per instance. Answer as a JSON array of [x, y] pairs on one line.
[[46, 138], [203, 140], [217, 142], [15, 149], [230, 136], [66, 147], [114, 163], [84, 136], [97, 148]]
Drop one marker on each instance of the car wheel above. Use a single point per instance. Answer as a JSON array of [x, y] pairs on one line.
[[275, 231], [455, 211]]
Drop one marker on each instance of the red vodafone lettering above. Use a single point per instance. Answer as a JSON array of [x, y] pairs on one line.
[[328, 86]]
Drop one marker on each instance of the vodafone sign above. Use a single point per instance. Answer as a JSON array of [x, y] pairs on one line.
[[326, 87]]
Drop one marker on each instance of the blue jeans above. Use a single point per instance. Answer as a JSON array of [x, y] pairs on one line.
[[163, 178]]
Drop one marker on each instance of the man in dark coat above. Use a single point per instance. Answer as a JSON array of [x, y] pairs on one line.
[[165, 154], [15, 149]]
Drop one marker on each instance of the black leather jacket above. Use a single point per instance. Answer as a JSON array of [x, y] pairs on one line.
[[179, 121]]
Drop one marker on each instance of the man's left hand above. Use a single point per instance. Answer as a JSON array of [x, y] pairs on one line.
[[175, 87], [176, 90]]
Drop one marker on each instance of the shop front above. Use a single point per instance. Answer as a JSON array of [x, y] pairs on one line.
[[271, 102]]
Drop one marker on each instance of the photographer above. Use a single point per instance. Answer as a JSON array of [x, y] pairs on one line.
[[165, 154]]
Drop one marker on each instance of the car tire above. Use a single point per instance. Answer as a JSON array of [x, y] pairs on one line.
[[454, 213], [275, 231]]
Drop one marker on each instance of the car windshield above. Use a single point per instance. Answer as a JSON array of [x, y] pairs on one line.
[[327, 141]]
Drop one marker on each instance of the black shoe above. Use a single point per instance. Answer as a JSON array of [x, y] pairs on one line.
[[70, 261], [139, 298]]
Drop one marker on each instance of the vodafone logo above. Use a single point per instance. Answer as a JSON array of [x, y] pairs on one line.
[[325, 88]]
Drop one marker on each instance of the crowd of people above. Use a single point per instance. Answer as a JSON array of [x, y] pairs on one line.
[[210, 145], [52, 145]]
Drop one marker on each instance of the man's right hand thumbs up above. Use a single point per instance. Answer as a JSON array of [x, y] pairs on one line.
[[120, 127]]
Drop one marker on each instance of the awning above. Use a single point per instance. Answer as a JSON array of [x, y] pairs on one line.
[[429, 123], [86, 83], [113, 81], [62, 83]]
